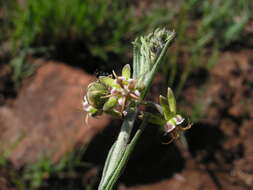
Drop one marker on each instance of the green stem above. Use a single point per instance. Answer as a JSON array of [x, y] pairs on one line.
[[119, 147], [126, 155]]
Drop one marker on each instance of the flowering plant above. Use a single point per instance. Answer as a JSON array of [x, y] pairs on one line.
[[120, 96], [112, 94]]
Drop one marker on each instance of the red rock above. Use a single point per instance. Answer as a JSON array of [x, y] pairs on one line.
[[47, 119]]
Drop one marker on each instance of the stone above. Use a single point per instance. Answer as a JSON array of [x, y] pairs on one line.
[[46, 119]]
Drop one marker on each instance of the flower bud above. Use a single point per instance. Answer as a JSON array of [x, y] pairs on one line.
[[171, 101], [96, 94], [110, 103], [126, 71]]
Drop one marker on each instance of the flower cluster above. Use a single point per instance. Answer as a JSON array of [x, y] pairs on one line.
[[112, 94], [174, 123], [171, 122], [115, 95]]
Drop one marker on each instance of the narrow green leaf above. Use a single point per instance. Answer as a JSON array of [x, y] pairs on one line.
[[120, 146], [123, 161], [136, 58], [106, 164]]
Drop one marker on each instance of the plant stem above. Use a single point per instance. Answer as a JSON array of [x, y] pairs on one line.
[[120, 146], [126, 155]]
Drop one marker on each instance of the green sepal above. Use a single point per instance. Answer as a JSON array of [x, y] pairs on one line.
[[165, 107], [172, 101], [110, 103], [95, 112], [126, 71], [108, 81], [97, 86]]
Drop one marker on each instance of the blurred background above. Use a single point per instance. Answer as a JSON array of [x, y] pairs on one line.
[[51, 49]]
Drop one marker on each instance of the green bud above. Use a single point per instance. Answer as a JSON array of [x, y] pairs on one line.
[[172, 101], [108, 81], [126, 71], [96, 94], [110, 103], [165, 107]]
